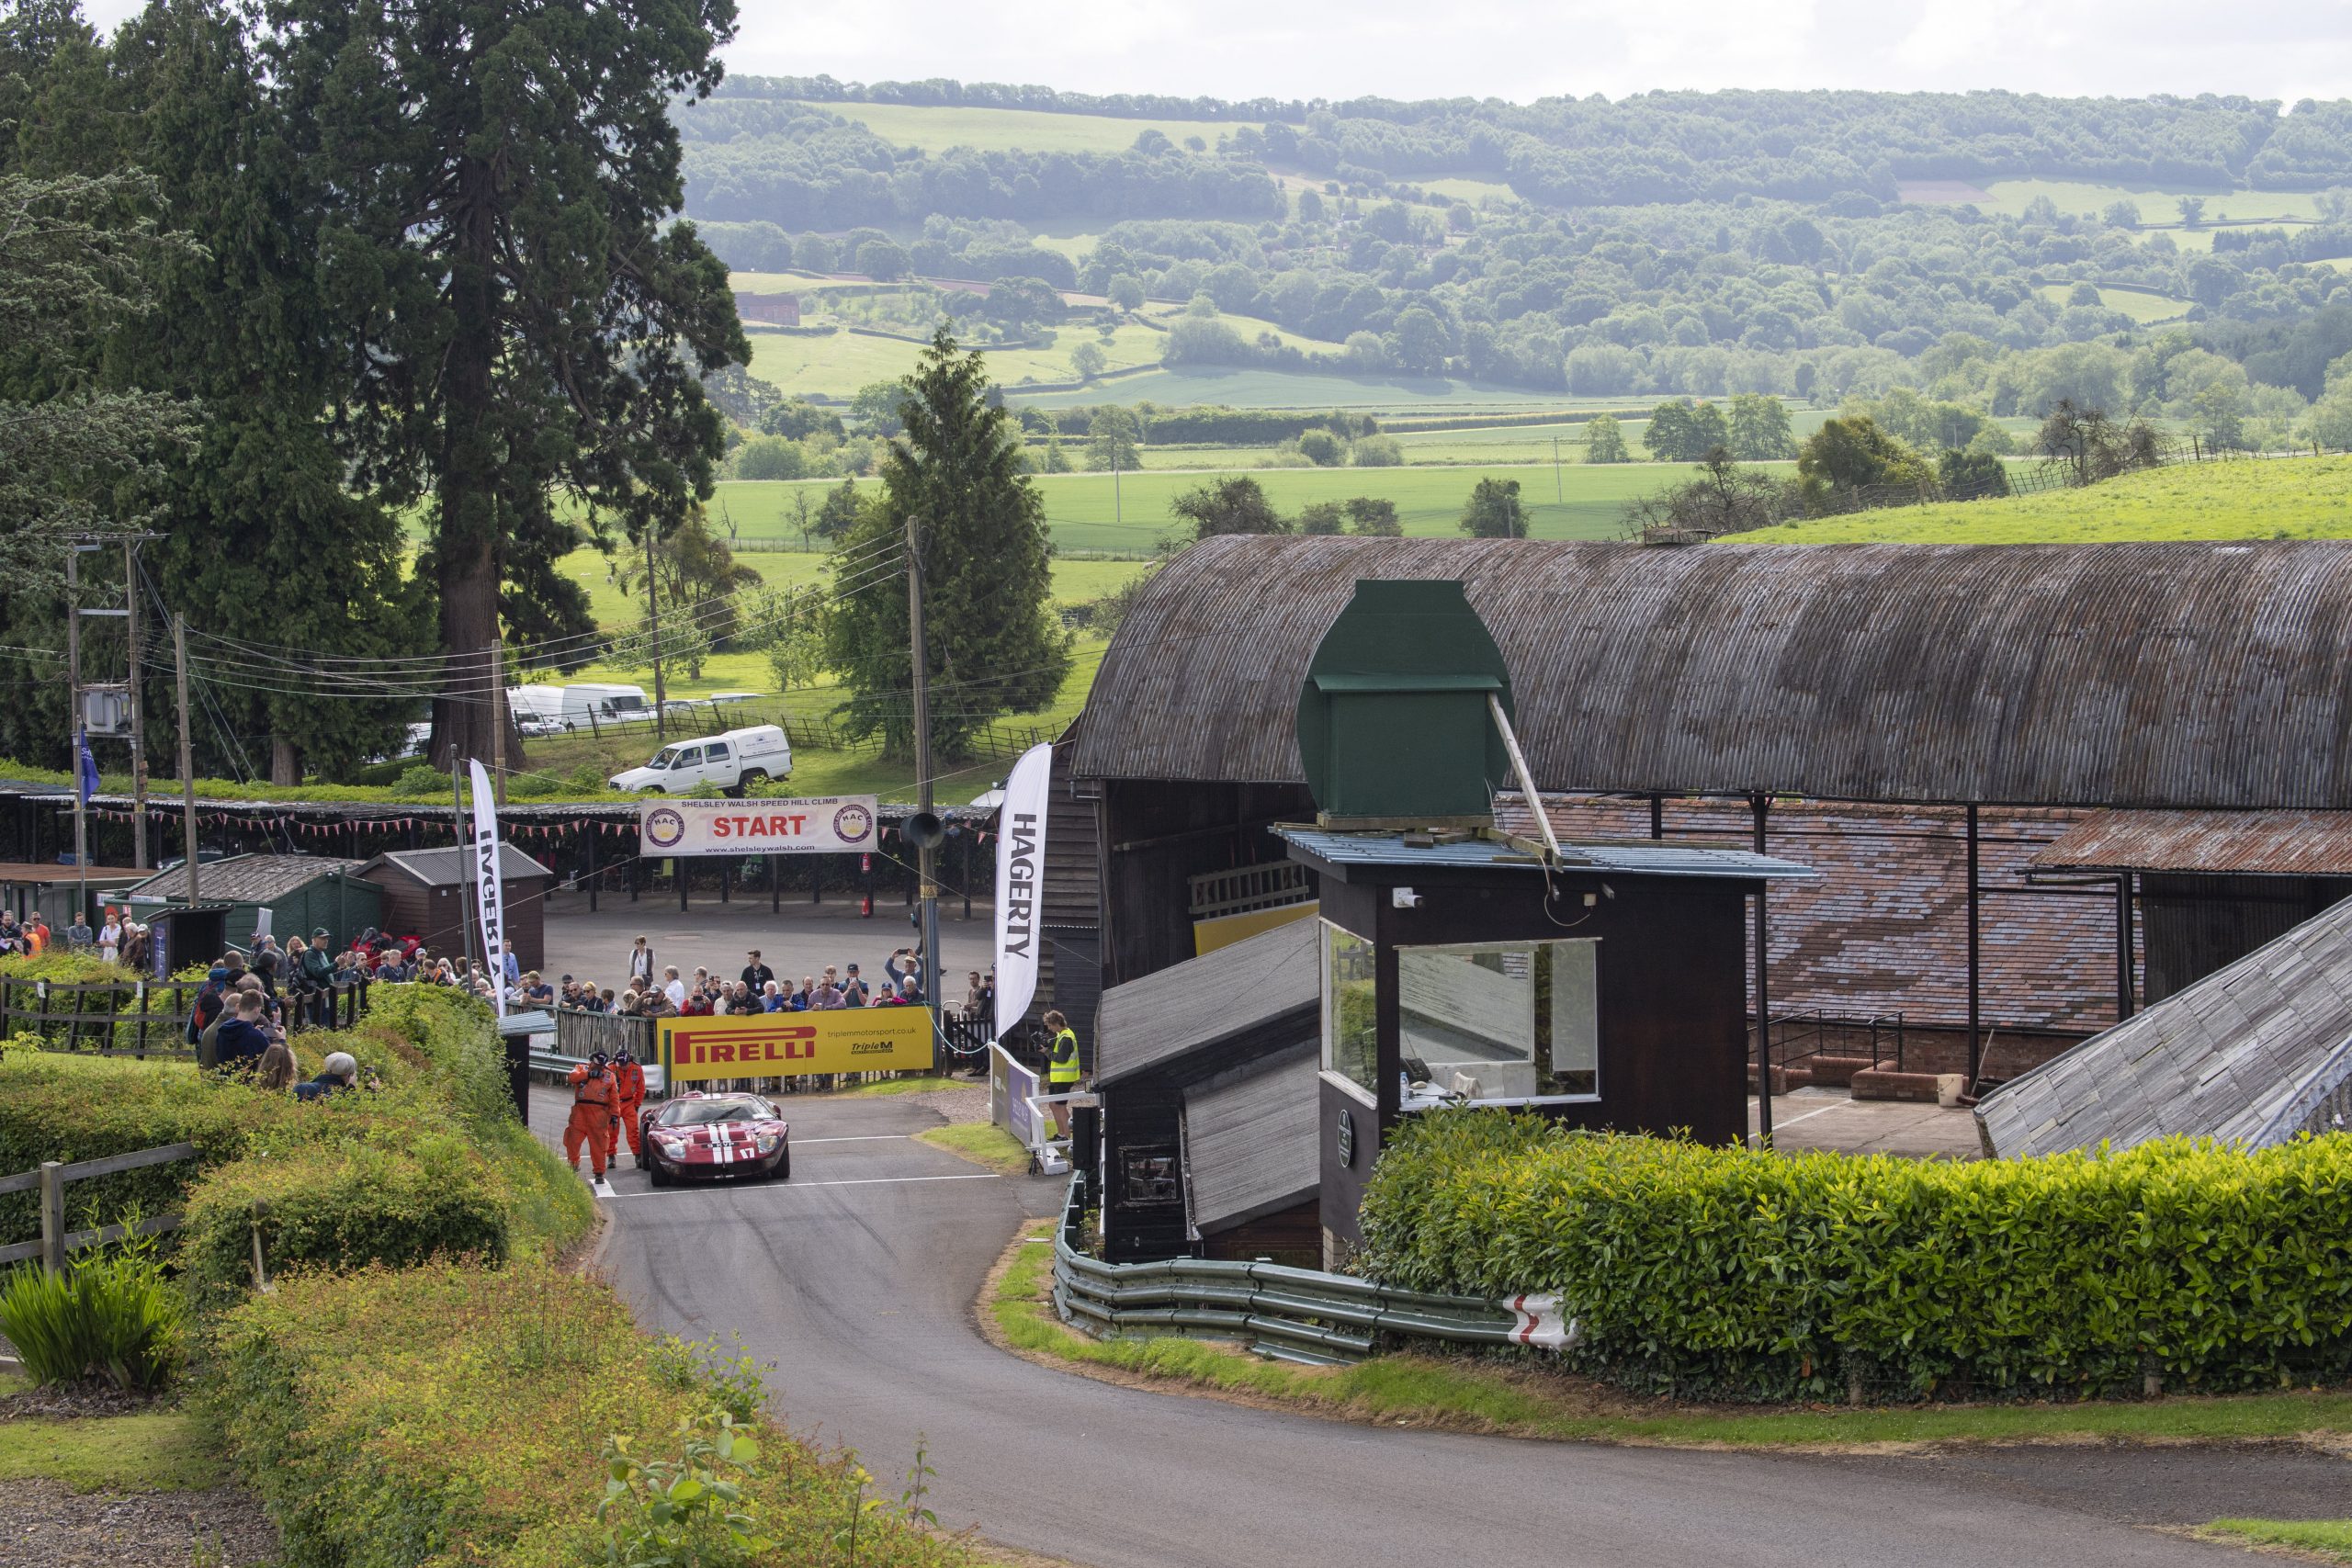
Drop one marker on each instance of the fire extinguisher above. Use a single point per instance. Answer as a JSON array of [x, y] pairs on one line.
[[865, 905]]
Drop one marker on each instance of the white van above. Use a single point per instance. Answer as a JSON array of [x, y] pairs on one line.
[[739, 756], [609, 704]]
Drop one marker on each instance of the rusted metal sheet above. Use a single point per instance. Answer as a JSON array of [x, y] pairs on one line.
[[2240, 843], [2160, 675]]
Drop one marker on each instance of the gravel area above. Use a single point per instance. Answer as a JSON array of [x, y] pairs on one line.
[[93, 1398], [957, 1105], [42, 1525]]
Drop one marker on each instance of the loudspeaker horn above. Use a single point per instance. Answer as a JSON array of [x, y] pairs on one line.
[[924, 830]]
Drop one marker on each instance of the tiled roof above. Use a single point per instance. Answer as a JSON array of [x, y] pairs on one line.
[[1151, 1021], [447, 868], [2241, 1056], [1885, 928], [2269, 843], [248, 879], [1643, 858]]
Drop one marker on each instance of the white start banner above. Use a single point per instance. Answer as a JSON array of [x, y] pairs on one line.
[[830, 825], [1019, 870], [490, 895]]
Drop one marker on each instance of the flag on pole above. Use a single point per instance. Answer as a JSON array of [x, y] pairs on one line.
[[1020, 862], [89, 765], [490, 901]]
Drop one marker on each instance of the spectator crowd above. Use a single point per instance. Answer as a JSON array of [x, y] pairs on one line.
[[656, 990]]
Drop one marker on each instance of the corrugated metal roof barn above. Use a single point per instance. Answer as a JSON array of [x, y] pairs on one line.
[[2174, 675]]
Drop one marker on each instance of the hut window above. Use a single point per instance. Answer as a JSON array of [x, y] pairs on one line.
[[1351, 1034], [1502, 1021]]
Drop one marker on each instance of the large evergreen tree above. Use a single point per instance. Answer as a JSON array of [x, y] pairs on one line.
[[987, 566], [519, 315]]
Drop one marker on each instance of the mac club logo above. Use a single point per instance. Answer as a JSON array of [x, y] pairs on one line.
[[853, 824], [665, 826]]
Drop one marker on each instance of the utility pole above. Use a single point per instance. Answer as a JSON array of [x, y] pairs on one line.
[[927, 853], [187, 755], [80, 740], [1557, 493], [653, 629], [498, 720], [137, 722], [1118, 513]]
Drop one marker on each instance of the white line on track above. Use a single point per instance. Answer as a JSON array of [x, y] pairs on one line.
[[1841, 1105], [859, 1182], [866, 1138]]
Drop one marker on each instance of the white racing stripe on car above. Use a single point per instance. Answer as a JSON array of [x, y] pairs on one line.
[[858, 1181]]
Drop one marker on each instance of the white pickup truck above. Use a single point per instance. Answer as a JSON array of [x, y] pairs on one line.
[[739, 756]]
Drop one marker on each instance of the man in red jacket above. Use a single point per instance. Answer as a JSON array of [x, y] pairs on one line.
[[594, 1097], [629, 1080]]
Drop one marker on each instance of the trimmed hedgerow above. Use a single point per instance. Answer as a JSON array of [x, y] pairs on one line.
[[1726, 1270], [460, 1414], [433, 1196]]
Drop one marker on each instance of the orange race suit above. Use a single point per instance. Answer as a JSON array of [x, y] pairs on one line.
[[593, 1099], [629, 1080]]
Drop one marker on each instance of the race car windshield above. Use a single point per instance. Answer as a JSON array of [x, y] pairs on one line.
[[696, 1112]]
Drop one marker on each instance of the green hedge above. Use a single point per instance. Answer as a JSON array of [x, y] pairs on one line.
[[1722, 1270], [165, 1023], [342, 1208], [458, 1415]]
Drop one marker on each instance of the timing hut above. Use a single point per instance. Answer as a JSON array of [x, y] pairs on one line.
[[1921, 723]]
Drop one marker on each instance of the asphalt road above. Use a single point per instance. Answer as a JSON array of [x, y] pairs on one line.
[[857, 1279]]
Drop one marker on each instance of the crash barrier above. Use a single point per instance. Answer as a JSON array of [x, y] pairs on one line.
[[1295, 1314], [56, 1241], [1013, 1099], [148, 1018]]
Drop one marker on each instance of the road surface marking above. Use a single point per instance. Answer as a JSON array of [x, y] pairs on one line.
[[1841, 1105], [866, 1138], [857, 1181]]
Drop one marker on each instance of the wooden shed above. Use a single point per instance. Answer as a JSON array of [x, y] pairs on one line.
[[300, 894], [426, 895]]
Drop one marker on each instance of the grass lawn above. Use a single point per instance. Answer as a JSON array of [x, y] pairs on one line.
[[167, 1451], [2156, 206], [840, 363], [1255, 389], [2328, 1539], [1496, 1396], [935, 128], [982, 1143], [2272, 498], [2141, 305]]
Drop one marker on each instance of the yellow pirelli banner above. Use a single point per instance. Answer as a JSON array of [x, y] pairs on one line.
[[795, 1045]]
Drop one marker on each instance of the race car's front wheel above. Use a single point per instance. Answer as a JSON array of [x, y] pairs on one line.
[[783, 1171], [655, 1172]]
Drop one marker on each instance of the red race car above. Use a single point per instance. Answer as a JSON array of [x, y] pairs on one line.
[[731, 1133]]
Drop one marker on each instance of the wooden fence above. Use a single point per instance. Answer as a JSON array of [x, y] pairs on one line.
[[147, 1018], [56, 1241]]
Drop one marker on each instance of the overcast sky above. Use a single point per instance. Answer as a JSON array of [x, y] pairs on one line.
[[1521, 49]]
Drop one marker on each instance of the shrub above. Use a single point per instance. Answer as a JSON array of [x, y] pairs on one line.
[[454, 1413], [111, 1314], [1379, 452], [341, 1208], [419, 780], [1726, 1269]]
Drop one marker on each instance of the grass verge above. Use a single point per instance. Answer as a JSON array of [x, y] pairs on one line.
[[2327, 1539], [1517, 1399], [982, 1143], [164, 1451]]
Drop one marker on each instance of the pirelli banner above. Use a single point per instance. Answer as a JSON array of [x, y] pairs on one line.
[[833, 826], [795, 1044]]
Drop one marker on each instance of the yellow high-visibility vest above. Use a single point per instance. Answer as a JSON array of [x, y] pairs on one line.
[[1063, 1065]]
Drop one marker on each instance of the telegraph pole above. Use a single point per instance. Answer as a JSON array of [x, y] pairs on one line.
[[187, 755], [1557, 493], [927, 852], [498, 720], [653, 629], [80, 740], [137, 722]]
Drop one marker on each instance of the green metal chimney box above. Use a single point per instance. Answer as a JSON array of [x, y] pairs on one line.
[[1392, 726]]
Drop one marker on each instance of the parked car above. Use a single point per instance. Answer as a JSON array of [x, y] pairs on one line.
[[696, 1134], [740, 757]]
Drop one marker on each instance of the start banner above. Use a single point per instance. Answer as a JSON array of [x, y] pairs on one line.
[[795, 1045], [830, 825]]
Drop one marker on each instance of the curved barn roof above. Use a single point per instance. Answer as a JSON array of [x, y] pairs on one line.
[[2176, 675]]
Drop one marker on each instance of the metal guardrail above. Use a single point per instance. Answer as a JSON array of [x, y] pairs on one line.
[[1295, 1314]]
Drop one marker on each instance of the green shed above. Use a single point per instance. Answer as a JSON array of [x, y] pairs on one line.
[[299, 893]]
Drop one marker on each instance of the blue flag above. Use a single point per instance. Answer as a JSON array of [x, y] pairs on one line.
[[89, 769]]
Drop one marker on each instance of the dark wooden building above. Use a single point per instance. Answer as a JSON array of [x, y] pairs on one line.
[[1207, 1083], [300, 894], [427, 894]]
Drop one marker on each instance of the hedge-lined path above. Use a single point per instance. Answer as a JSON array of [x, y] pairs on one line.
[[861, 1290]]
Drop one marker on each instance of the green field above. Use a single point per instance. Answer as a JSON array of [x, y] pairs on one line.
[[2156, 206], [2144, 306], [2272, 498], [1090, 511], [1250, 389], [840, 363], [937, 128]]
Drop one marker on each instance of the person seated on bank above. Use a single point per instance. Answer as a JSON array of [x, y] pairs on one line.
[[339, 1075], [241, 1039]]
